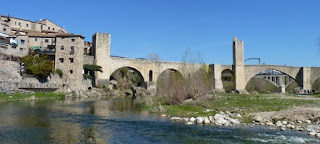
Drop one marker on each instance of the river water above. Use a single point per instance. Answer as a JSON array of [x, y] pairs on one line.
[[118, 121]]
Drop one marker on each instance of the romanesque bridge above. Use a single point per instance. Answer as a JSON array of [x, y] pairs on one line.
[[150, 70]]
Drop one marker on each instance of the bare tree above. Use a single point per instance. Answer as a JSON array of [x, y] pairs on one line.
[[195, 83], [153, 56]]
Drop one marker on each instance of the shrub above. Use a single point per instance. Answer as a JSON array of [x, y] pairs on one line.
[[39, 66], [59, 72]]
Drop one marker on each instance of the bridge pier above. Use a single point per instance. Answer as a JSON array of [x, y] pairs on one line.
[[216, 72], [282, 84], [306, 76], [151, 85]]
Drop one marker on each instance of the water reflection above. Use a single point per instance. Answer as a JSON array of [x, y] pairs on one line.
[[117, 121]]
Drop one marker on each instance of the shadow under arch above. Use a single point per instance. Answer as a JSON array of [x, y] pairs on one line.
[[315, 85], [270, 80], [168, 77], [127, 76], [227, 78]]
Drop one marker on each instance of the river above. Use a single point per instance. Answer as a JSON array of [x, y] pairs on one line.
[[119, 121]]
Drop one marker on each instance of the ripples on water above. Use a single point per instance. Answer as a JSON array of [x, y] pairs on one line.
[[118, 122]]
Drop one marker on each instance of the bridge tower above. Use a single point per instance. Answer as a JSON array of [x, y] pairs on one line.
[[101, 52], [238, 66]]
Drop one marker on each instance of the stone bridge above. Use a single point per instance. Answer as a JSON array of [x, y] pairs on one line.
[[150, 70]]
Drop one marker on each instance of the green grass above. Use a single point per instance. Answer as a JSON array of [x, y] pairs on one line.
[[182, 110], [243, 104], [16, 96], [40, 95], [256, 103], [50, 95]]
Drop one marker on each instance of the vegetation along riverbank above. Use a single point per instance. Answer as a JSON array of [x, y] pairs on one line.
[[16, 96]]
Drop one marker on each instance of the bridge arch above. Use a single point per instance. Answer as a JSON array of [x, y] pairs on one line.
[[252, 70], [124, 70], [315, 84], [169, 79], [169, 70], [274, 78], [227, 78]]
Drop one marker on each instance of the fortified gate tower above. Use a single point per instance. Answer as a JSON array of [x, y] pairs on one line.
[[238, 66]]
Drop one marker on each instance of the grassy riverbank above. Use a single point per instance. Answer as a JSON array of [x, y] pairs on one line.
[[243, 104], [40, 95]]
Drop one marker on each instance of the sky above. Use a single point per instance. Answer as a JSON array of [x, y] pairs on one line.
[[279, 32]]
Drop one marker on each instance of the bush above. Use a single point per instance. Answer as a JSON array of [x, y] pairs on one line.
[[59, 72], [39, 66]]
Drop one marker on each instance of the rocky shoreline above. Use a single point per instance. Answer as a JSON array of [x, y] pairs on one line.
[[220, 119], [311, 127]]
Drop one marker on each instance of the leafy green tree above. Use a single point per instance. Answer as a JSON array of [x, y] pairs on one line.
[[92, 68], [39, 66]]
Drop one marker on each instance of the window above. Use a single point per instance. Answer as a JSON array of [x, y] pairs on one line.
[[4, 30], [71, 60], [35, 39], [72, 40], [71, 71], [21, 49], [62, 47], [150, 75], [72, 50], [41, 27], [22, 42], [61, 60], [15, 23], [19, 24], [48, 28], [27, 25], [46, 40], [52, 28]]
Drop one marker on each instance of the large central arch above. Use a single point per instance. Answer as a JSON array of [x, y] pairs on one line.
[[122, 72]]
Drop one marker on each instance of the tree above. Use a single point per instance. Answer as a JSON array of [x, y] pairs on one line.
[[39, 66], [153, 56], [92, 68], [195, 83]]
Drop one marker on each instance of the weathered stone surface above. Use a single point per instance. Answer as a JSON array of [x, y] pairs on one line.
[[192, 119], [258, 119], [176, 118], [199, 120]]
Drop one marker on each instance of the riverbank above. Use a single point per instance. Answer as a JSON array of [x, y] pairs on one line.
[[289, 111], [4, 97]]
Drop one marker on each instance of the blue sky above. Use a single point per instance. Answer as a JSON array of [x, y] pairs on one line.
[[277, 31]]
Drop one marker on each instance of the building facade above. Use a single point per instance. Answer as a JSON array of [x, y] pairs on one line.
[[12, 25]]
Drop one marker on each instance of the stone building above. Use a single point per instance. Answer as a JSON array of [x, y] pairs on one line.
[[12, 25], [69, 58]]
